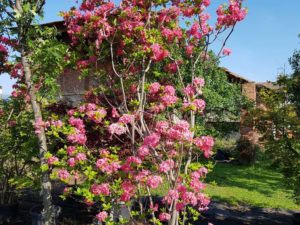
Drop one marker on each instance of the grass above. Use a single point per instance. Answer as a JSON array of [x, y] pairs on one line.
[[252, 185]]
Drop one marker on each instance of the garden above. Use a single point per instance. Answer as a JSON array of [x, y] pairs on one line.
[[122, 114]]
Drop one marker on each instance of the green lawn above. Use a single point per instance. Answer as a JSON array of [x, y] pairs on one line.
[[252, 185]]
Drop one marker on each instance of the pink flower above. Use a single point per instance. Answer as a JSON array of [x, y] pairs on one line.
[[166, 166], [206, 3], [154, 88], [71, 112], [169, 90], [205, 143], [63, 174], [117, 128], [91, 107], [203, 171], [199, 82], [179, 206], [154, 181], [164, 217], [161, 126], [134, 159], [80, 157], [100, 189], [77, 122], [101, 216], [152, 140], [189, 90], [189, 198], [57, 123], [52, 160], [180, 131], [96, 115], [70, 150], [72, 162], [128, 190], [114, 113], [172, 195], [189, 50], [143, 151], [106, 167], [77, 138], [167, 33], [126, 118], [158, 53], [154, 208], [171, 68], [169, 100], [227, 51], [200, 104], [197, 185], [40, 124], [195, 31], [142, 175], [203, 202]]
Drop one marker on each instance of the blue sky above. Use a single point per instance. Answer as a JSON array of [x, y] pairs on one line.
[[261, 44]]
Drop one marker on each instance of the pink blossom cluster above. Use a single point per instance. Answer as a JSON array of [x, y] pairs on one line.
[[195, 105], [117, 128], [93, 112], [158, 53], [52, 160], [166, 166], [168, 97], [205, 144], [180, 131], [101, 189], [226, 51], [154, 181], [126, 118], [63, 174], [171, 34], [228, 16], [101, 216], [107, 166], [129, 190], [78, 136], [40, 124], [183, 196]]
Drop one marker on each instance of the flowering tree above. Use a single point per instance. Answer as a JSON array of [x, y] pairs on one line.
[[137, 131], [30, 55]]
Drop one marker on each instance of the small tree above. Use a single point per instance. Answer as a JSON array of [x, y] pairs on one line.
[[279, 124], [137, 130], [18, 147], [33, 57]]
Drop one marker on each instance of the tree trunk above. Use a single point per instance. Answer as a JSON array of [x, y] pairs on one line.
[[48, 214]]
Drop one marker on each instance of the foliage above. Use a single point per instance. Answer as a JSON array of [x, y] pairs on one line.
[[18, 147], [224, 100], [32, 56], [294, 81], [279, 124]]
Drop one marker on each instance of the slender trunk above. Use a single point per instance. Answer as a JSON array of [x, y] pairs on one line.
[[193, 119], [174, 214], [46, 184]]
